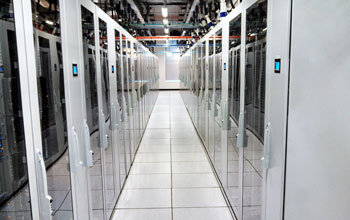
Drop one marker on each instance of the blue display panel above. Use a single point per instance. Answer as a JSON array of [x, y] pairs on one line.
[[75, 70], [277, 65]]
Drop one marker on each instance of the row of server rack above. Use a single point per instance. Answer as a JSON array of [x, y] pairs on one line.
[[264, 89], [76, 93], [216, 89]]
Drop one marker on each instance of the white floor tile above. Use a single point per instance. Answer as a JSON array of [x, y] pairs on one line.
[[154, 148], [198, 197], [194, 180], [191, 167], [186, 148], [153, 142], [151, 168], [197, 156], [157, 134], [142, 214], [152, 157], [148, 181], [145, 198], [186, 141], [202, 214]]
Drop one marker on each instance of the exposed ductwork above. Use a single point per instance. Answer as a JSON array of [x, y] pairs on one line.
[[190, 13]]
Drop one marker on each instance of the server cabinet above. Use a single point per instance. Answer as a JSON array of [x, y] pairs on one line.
[[234, 171], [254, 109], [14, 176], [317, 147], [109, 96], [236, 95], [62, 80], [94, 108]]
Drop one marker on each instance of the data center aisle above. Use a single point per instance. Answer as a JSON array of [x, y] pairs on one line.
[[171, 177]]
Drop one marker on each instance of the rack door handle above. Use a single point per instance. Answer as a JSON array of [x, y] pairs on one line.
[[77, 163], [103, 131], [87, 146], [46, 200], [266, 158]]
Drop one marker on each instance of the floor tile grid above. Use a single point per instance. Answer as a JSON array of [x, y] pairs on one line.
[[179, 212], [131, 165]]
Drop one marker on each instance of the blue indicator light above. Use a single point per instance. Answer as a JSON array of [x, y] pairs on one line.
[[112, 69], [75, 70], [1, 69], [2, 157], [277, 65], [55, 67]]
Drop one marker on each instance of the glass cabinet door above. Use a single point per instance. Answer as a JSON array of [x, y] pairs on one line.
[[121, 139], [92, 110], [14, 188], [254, 104], [48, 54], [233, 169], [212, 106], [126, 106], [109, 150], [217, 104]]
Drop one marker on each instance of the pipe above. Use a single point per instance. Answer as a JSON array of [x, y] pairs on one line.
[[190, 13], [223, 9], [138, 13]]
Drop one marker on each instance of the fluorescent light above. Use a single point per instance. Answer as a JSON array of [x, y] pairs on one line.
[[166, 30], [49, 22], [165, 21], [165, 12]]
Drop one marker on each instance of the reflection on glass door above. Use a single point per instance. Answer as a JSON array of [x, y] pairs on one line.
[[110, 163], [126, 106], [130, 100], [254, 110], [14, 188], [137, 131], [121, 139], [234, 108], [47, 41], [201, 71], [212, 106], [218, 90], [92, 110]]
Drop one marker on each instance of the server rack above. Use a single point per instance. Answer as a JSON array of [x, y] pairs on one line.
[[75, 110], [235, 84]]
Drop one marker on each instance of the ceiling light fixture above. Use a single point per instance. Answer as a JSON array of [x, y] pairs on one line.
[[165, 12], [166, 30], [49, 22], [165, 21]]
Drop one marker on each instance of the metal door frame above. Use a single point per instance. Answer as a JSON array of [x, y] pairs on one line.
[[30, 101]]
